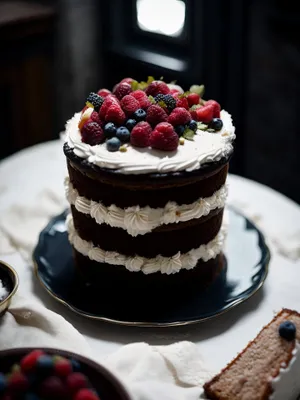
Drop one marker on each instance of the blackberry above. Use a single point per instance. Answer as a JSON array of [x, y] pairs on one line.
[[95, 100], [159, 97], [170, 102]]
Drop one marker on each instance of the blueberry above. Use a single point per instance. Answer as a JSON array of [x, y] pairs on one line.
[[193, 125], [2, 383], [179, 129], [113, 144], [287, 330], [110, 130], [140, 114], [76, 365], [130, 124], [216, 124], [45, 363], [123, 134]]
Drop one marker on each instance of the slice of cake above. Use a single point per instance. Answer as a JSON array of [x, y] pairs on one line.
[[268, 368], [147, 187]]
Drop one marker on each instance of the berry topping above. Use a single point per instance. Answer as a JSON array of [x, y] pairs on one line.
[[18, 383], [179, 129], [104, 92], [140, 134], [156, 114], [76, 381], [92, 134], [85, 116], [63, 368], [115, 114], [170, 102], [127, 80], [110, 130], [179, 116], [159, 97], [216, 124], [217, 107], [113, 144], [193, 125], [139, 115], [287, 330], [129, 104], [157, 87], [86, 394], [142, 98], [28, 362], [123, 134], [164, 137], [53, 388], [95, 100], [193, 98], [122, 89], [205, 113], [130, 124], [182, 102], [95, 118], [110, 100]]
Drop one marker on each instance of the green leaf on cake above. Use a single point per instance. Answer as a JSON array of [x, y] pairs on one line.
[[199, 89], [188, 134], [152, 99], [150, 79], [134, 85], [194, 107]]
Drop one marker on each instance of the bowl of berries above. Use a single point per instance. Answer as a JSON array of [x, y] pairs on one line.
[[48, 374], [9, 283]]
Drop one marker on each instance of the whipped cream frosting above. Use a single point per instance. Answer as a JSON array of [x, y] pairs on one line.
[[138, 220], [286, 385], [165, 265], [206, 147]]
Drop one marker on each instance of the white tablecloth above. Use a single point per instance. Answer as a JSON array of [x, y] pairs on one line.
[[26, 174]]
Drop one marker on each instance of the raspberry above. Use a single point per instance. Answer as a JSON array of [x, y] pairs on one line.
[[76, 381], [63, 368], [182, 102], [157, 87], [92, 134], [173, 91], [110, 99], [164, 137], [104, 92], [179, 116], [205, 114], [193, 98], [115, 114], [95, 100], [140, 134], [122, 89], [95, 118], [18, 383], [142, 98], [29, 361], [86, 394], [129, 104], [217, 107], [156, 114], [127, 80]]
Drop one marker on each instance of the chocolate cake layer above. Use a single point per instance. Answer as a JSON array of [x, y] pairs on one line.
[[118, 278], [188, 235], [95, 187]]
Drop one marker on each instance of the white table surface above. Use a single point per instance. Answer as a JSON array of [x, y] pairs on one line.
[[25, 174]]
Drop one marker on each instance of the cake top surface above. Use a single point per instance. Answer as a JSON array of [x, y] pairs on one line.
[[150, 127]]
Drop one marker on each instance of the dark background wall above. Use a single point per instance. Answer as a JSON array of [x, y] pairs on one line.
[[53, 53]]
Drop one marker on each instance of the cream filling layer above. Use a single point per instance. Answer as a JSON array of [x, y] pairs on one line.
[[165, 265], [138, 220]]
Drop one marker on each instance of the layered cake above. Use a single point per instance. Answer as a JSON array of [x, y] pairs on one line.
[[268, 368], [147, 167]]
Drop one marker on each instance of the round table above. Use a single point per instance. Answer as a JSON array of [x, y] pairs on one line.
[[25, 174]]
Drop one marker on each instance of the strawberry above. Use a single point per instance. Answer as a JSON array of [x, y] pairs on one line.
[[157, 87], [140, 134], [205, 114], [217, 107], [142, 98], [156, 114], [182, 102], [193, 98], [129, 104], [104, 92], [115, 114], [109, 100], [92, 134], [179, 116], [122, 89], [164, 137]]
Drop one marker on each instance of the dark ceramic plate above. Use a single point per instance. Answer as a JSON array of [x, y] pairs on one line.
[[247, 258]]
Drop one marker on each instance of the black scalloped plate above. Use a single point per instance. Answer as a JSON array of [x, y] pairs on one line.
[[247, 257]]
